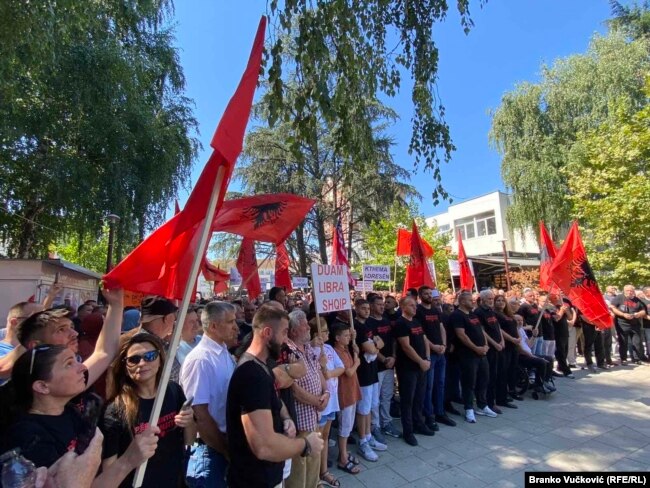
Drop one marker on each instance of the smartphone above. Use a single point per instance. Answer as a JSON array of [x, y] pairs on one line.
[[188, 403], [91, 410]]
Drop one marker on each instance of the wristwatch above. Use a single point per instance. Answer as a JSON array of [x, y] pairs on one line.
[[307, 450]]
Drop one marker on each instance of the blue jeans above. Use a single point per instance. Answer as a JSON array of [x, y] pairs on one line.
[[206, 468], [434, 393]]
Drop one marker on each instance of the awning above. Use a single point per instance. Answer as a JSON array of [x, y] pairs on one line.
[[490, 264]]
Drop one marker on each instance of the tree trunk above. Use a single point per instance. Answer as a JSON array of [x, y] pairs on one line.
[[302, 251], [322, 241], [24, 248]]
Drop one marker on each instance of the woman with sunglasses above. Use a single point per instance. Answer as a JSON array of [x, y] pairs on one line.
[[132, 385], [44, 380]]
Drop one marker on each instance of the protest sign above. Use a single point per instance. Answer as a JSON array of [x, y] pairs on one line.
[[372, 272], [330, 287]]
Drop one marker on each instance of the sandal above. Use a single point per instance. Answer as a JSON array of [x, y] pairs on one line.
[[353, 459], [328, 479], [350, 468]]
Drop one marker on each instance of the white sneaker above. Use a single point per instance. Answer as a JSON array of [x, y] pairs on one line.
[[367, 453], [469, 416], [486, 411], [376, 445]]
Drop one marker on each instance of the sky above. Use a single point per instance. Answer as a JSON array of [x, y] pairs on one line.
[[510, 41]]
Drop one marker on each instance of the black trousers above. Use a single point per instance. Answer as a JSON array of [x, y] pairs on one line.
[[513, 368], [452, 379], [503, 372], [593, 342], [607, 345], [474, 378], [411, 395], [632, 336], [541, 366], [561, 351]]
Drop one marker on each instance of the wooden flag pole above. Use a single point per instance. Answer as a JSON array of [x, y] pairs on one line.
[[187, 296], [395, 276]]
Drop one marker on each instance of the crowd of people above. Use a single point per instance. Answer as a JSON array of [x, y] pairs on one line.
[[261, 389]]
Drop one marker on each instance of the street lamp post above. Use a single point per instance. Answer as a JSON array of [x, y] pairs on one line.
[[505, 260], [112, 220]]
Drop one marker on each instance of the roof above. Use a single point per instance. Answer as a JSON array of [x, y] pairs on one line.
[[512, 262], [73, 267]]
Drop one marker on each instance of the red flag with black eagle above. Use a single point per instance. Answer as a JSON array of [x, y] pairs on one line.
[[247, 267], [466, 278], [548, 251], [404, 244], [282, 276], [417, 271], [161, 264], [572, 273], [339, 252]]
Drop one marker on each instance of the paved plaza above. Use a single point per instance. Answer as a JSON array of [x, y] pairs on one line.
[[599, 421]]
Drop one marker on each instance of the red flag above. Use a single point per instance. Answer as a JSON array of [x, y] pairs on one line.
[[161, 264], [572, 273], [466, 279], [548, 252], [264, 218], [212, 272], [339, 252], [282, 276], [247, 267], [417, 271], [220, 287], [404, 244]]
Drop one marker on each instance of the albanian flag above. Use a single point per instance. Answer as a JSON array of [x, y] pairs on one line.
[[264, 218], [161, 264], [247, 267], [548, 253], [404, 244], [466, 279], [572, 273], [339, 251], [212, 272], [282, 276], [417, 271]]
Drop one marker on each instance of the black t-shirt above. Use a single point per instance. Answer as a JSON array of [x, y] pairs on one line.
[[430, 318], [415, 332], [392, 317], [43, 439], [509, 326], [529, 312], [382, 328], [471, 324], [165, 468], [251, 388], [286, 394], [367, 371], [562, 325], [490, 322], [646, 319], [628, 305], [547, 325]]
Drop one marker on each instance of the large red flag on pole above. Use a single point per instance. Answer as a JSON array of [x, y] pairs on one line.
[[548, 252], [466, 279], [282, 276], [339, 252], [572, 273], [247, 267], [404, 244], [417, 271]]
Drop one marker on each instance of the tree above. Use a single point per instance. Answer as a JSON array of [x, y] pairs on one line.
[[609, 181], [632, 20], [344, 53], [93, 121], [379, 241], [536, 125], [91, 255]]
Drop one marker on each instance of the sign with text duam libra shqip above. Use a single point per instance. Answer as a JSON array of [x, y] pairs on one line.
[[330, 287]]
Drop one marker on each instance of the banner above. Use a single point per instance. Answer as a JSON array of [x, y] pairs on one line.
[[454, 267], [331, 290], [300, 282], [372, 272], [365, 286]]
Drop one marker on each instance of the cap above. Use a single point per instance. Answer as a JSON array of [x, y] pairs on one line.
[[153, 307]]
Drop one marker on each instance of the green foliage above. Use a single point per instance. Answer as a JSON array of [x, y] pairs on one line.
[[92, 120], [537, 124], [90, 254], [379, 241], [344, 54], [609, 182], [634, 20]]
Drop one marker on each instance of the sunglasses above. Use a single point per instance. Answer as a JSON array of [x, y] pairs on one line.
[[148, 357], [34, 351]]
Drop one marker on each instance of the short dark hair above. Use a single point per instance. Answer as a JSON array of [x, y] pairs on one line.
[[268, 315], [361, 301], [412, 291], [273, 292], [374, 297], [29, 328], [423, 288]]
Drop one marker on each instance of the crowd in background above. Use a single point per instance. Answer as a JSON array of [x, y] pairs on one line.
[[262, 389]]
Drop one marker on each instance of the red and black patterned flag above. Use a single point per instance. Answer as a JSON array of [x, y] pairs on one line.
[[282, 276], [247, 267], [466, 278], [417, 271], [339, 252], [548, 252]]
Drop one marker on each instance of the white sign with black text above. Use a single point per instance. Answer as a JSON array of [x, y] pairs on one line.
[[373, 272]]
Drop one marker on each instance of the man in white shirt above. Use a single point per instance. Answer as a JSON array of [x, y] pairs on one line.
[[205, 376]]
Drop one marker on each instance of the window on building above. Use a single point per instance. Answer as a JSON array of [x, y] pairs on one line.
[[444, 228], [479, 225]]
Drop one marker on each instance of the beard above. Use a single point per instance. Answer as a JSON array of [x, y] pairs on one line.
[[274, 349]]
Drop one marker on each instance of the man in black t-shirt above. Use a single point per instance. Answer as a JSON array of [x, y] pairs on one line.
[[261, 435], [412, 361], [564, 313], [646, 320], [495, 357], [630, 311], [472, 349], [430, 318]]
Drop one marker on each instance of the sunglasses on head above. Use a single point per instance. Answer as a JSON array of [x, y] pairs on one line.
[[34, 351], [148, 357]]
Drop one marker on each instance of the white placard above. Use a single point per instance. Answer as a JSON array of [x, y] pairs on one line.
[[373, 272], [364, 286], [300, 282], [331, 289], [454, 267]]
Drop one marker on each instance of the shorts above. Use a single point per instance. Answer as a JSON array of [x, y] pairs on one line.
[[369, 399], [326, 418], [346, 421]]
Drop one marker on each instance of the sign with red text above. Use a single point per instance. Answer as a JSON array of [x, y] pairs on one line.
[[330, 287]]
